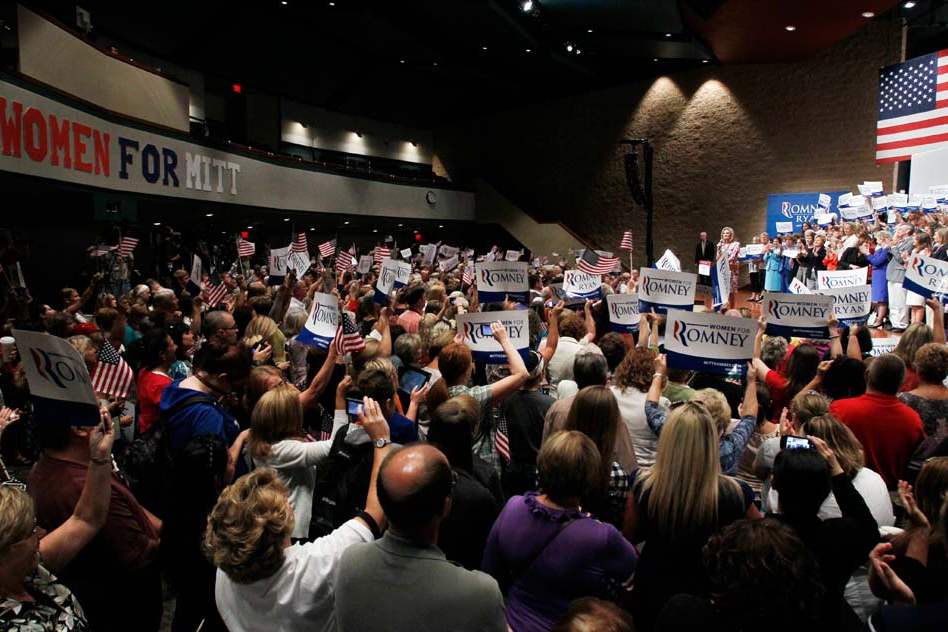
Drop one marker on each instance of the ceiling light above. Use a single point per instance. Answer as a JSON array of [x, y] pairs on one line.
[[312, 228], [569, 48], [346, 222], [434, 63], [529, 50], [401, 61], [375, 230], [156, 224], [286, 219], [868, 14], [589, 30], [578, 51], [483, 48], [527, 6], [655, 59], [283, 2], [332, 4], [668, 34], [790, 27], [400, 225], [704, 61], [908, 5], [249, 227], [209, 215], [440, 225]]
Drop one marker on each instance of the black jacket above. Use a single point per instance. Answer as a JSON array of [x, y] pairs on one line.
[[706, 253]]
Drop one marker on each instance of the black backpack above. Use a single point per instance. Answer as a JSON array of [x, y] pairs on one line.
[[342, 483], [148, 462]]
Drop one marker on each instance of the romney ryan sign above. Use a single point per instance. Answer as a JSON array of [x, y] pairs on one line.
[[44, 137], [796, 208]]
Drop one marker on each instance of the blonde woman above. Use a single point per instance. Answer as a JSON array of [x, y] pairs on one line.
[[729, 247], [276, 440], [676, 506], [267, 329]]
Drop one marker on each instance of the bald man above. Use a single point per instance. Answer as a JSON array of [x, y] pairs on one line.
[[403, 581]]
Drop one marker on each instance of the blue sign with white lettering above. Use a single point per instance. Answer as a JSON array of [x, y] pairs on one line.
[[796, 208]]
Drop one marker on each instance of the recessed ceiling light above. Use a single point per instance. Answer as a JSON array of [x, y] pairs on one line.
[[400, 225], [156, 224], [704, 61], [569, 48], [312, 228], [332, 4], [283, 2], [589, 30], [668, 34], [286, 219], [209, 215], [483, 48], [655, 59], [434, 63], [527, 6], [249, 227], [346, 222], [529, 50], [579, 51], [868, 14], [401, 61], [790, 27], [908, 5], [440, 225], [375, 230]]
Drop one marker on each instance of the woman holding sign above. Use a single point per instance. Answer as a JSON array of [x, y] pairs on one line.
[[773, 267], [921, 248]]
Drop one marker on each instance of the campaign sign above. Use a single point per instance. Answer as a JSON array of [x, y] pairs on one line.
[[623, 312], [560, 294], [851, 304], [512, 255], [449, 264], [882, 346], [428, 252], [299, 262], [795, 208], [384, 285], [365, 264], [499, 279], [797, 287], [59, 382], [661, 290], [277, 264], [720, 281], [448, 251], [800, 315], [478, 337], [926, 276], [832, 279], [323, 321], [784, 228], [402, 273], [709, 342], [405, 253], [578, 284], [668, 261]]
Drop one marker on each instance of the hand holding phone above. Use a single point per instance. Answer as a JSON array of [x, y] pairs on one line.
[[790, 442]]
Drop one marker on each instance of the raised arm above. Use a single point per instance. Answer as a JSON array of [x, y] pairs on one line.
[[758, 365], [63, 543], [590, 321], [938, 322], [518, 370], [376, 427], [655, 414], [383, 326], [852, 344], [644, 330], [553, 331], [311, 394]]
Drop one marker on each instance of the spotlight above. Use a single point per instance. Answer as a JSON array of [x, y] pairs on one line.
[[401, 61], [284, 2], [908, 5], [527, 6], [440, 225], [156, 224], [375, 230], [483, 48], [589, 30], [790, 27], [655, 59], [286, 219], [346, 222], [209, 215], [312, 228], [868, 14], [529, 50], [704, 61], [668, 34], [569, 47]]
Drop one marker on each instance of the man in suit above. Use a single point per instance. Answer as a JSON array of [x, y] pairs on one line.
[[704, 251], [403, 581]]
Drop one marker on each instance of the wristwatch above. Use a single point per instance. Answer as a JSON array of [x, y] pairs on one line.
[[381, 443]]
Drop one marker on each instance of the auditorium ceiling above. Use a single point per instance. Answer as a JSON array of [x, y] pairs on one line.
[[423, 62]]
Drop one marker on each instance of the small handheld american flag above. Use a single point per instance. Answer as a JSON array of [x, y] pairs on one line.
[[343, 262], [127, 246], [327, 248], [467, 277], [214, 294], [299, 243], [592, 263], [348, 338], [626, 243], [245, 248], [381, 252], [112, 375]]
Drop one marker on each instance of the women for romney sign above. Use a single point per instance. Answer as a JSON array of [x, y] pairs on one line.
[[661, 290], [832, 279], [803, 315], [927, 276], [323, 321], [479, 338], [500, 280], [851, 304], [709, 342]]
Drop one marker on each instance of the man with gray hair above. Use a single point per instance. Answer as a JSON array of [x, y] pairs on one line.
[[899, 253]]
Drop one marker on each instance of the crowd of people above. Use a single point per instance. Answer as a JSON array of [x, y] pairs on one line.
[[583, 484]]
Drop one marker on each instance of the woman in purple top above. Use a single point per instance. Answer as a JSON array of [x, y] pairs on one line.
[[879, 259], [544, 551]]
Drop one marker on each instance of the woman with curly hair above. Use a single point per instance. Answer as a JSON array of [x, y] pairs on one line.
[[630, 384], [261, 576], [930, 400]]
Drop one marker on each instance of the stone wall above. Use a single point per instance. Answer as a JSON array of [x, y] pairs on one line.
[[725, 137]]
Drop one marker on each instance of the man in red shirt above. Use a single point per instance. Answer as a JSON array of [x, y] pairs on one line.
[[888, 429]]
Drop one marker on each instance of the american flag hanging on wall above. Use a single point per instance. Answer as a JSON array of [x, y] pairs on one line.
[[913, 107]]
